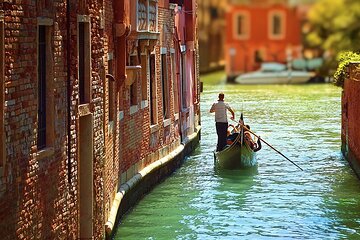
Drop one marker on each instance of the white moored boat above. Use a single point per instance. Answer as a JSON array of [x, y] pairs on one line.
[[274, 73]]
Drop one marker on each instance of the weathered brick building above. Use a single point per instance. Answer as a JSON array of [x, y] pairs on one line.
[[95, 94], [350, 128]]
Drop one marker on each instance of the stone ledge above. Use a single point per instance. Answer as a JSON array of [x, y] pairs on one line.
[[45, 153], [154, 128]]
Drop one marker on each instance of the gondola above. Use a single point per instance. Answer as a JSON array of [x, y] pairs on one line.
[[237, 155]]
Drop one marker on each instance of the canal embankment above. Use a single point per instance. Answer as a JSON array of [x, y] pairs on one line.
[[141, 183], [350, 131]]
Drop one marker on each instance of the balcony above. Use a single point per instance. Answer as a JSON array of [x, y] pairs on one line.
[[144, 23]]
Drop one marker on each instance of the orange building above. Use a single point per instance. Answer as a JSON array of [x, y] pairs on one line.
[[261, 31]]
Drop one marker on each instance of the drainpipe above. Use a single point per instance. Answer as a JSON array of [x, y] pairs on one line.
[[121, 31], [178, 65]]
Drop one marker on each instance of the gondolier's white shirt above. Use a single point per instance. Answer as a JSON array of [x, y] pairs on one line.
[[220, 108]]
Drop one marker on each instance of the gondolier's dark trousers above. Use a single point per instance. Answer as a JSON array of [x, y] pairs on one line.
[[221, 130]]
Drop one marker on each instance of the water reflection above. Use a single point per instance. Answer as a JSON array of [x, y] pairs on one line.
[[237, 173], [342, 204], [274, 200]]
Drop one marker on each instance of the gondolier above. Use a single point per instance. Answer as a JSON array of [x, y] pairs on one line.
[[220, 108]]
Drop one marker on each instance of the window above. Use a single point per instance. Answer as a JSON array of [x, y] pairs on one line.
[[147, 14], [164, 85], [144, 78], [134, 86], [175, 83], [277, 25], [45, 117], [2, 98], [119, 96], [84, 58], [111, 85], [133, 94], [41, 141], [183, 81], [241, 26], [153, 99]]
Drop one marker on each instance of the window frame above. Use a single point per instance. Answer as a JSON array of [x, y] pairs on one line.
[[111, 88], [47, 23], [133, 93], [245, 25], [120, 106], [147, 12], [184, 87], [153, 90], [133, 88], [84, 72], [174, 81], [271, 21], [42, 88], [165, 84], [144, 78]]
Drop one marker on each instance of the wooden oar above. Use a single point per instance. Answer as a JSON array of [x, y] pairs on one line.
[[269, 145]]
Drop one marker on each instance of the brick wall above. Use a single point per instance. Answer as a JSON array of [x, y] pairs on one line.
[[350, 130], [40, 190], [40, 199], [36, 202], [111, 166], [137, 141]]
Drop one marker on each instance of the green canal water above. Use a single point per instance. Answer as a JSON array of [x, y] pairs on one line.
[[274, 200]]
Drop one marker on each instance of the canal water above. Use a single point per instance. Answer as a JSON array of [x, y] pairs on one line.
[[274, 200]]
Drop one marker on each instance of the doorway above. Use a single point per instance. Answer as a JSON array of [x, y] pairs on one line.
[[86, 176]]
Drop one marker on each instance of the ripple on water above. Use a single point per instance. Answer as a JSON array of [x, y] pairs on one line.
[[274, 200]]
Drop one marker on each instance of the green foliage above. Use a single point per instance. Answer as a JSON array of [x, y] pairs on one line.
[[335, 28], [336, 25], [344, 59]]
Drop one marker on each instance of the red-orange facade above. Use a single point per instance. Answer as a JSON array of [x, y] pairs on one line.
[[261, 32]]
